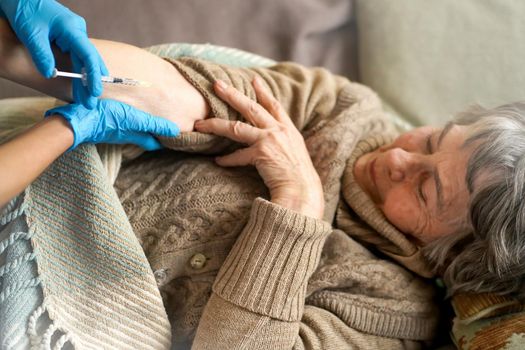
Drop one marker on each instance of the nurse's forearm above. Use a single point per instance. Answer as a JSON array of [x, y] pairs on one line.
[[170, 96], [25, 157], [16, 65]]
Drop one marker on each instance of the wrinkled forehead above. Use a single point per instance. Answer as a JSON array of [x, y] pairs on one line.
[[454, 215], [453, 160]]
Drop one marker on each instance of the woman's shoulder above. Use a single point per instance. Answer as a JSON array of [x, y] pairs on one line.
[[366, 290]]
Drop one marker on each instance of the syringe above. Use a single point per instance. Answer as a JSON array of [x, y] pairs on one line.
[[105, 79]]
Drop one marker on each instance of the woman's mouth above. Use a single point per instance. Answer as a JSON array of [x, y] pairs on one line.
[[374, 191], [373, 172]]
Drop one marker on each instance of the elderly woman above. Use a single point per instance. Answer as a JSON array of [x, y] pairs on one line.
[[328, 243]]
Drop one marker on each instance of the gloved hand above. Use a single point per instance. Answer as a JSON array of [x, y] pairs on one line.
[[38, 23], [115, 122]]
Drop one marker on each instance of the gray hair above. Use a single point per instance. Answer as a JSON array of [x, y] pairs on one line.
[[490, 255]]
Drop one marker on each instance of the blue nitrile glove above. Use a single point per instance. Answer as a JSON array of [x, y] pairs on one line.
[[115, 122], [38, 23]]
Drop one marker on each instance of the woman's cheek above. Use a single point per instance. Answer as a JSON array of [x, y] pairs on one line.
[[400, 211]]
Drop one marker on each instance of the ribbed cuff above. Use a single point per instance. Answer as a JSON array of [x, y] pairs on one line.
[[268, 268]]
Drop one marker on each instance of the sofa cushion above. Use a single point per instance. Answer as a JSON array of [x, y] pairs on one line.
[[430, 59]]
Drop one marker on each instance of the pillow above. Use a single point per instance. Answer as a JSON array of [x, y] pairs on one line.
[[430, 59], [488, 321]]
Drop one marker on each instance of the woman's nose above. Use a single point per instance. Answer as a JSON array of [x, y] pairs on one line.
[[403, 165]]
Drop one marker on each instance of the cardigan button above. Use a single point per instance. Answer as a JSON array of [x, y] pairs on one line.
[[198, 261], [160, 276]]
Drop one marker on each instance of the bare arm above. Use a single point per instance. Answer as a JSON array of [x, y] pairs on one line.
[[24, 158], [171, 96], [27, 156]]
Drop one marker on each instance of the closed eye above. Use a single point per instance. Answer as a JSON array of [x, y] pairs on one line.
[[420, 191], [429, 144]]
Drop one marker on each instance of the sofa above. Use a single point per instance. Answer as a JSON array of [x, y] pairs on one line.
[[426, 59]]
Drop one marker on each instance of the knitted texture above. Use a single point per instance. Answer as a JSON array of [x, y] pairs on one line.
[[92, 270], [263, 267], [70, 247], [19, 282], [107, 281]]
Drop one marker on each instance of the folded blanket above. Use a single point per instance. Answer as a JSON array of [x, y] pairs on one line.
[[91, 270]]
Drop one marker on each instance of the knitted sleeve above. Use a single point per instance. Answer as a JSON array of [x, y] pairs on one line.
[[258, 299], [308, 95], [318, 329], [259, 294]]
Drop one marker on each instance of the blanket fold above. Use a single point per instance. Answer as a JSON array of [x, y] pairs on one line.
[[91, 269]]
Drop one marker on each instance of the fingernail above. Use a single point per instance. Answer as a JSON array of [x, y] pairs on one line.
[[258, 83], [197, 124], [221, 85]]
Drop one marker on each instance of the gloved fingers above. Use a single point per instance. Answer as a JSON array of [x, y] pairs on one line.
[[146, 141], [80, 92], [39, 48], [86, 52], [164, 127], [74, 38], [140, 121]]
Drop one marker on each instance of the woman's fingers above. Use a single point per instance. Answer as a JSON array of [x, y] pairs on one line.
[[268, 101], [234, 130], [241, 157], [249, 109]]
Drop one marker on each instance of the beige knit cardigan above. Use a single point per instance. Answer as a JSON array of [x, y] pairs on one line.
[[238, 272]]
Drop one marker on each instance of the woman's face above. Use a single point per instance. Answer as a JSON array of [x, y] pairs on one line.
[[418, 181]]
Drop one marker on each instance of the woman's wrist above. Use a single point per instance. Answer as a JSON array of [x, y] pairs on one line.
[[305, 200]]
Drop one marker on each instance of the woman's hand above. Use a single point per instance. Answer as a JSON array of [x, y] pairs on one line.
[[275, 148]]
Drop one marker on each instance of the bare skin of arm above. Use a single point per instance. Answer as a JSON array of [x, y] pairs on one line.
[[25, 157], [171, 96]]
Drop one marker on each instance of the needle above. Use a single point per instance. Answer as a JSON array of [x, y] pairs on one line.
[[105, 79]]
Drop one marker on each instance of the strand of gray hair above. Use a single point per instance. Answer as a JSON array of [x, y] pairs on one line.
[[490, 257]]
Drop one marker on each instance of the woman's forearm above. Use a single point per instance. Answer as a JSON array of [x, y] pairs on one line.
[[24, 158], [170, 96]]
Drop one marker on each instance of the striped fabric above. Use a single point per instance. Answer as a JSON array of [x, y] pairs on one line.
[[94, 273], [98, 289], [71, 268]]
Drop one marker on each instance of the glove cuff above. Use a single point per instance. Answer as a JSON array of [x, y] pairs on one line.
[[68, 112]]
